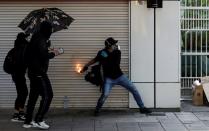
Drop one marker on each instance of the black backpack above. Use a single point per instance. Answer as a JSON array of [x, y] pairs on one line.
[[15, 60], [9, 62], [95, 75]]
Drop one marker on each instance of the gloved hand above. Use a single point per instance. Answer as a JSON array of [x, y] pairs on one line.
[[84, 69]]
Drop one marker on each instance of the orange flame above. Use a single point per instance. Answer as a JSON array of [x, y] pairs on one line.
[[78, 68]]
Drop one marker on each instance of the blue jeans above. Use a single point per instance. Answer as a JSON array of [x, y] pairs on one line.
[[123, 81]]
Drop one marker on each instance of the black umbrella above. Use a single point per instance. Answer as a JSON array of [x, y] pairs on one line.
[[59, 20]]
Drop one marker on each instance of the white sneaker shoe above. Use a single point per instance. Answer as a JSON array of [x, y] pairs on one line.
[[41, 125], [29, 125]]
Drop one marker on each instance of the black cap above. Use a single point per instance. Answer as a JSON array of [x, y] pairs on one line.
[[110, 41]]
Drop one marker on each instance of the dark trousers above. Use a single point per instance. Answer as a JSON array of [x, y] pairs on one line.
[[21, 88], [39, 85]]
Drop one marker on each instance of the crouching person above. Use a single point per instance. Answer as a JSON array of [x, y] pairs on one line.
[[110, 58]]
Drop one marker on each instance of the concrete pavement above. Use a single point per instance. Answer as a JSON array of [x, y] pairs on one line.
[[189, 119]]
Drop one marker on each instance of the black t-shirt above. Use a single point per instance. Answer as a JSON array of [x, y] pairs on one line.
[[110, 62]]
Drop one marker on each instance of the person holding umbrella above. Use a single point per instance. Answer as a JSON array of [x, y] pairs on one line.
[[38, 55], [110, 58], [41, 23]]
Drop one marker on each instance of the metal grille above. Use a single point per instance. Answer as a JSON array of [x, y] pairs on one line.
[[194, 43]]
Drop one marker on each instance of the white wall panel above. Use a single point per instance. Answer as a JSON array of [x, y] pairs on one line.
[[142, 43], [146, 91], [167, 42], [167, 95]]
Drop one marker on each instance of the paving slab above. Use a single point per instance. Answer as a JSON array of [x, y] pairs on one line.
[[151, 126], [197, 126], [147, 119], [174, 127], [203, 116], [114, 120], [128, 126], [206, 123], [170, 118], [187, 117]]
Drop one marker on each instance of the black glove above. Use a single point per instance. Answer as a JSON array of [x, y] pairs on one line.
[[85, 68]]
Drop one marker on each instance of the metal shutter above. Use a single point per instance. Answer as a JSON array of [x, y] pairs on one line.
[[94, 21]]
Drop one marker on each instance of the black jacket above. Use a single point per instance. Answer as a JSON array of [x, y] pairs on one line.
[[110, 62], [38, 55], [19, 52]]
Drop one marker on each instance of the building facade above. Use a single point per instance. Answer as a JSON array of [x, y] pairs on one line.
[[149, 41]]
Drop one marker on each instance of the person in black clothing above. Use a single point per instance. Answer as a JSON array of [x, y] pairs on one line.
[[38, 61], [18, 76], [110, 58]]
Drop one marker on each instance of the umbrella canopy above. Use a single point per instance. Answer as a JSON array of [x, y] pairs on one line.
[[59, 20]]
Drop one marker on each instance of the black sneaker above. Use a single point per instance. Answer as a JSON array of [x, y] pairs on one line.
[[145, 110], [16, 118], [22, 115]]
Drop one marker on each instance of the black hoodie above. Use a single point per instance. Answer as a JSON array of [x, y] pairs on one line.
[[38, 54], [20, 45]]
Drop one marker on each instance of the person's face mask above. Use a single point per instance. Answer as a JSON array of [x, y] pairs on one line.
[[115, 47]]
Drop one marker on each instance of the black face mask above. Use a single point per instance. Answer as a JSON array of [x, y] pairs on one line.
[[46, 29], [47, 33]]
